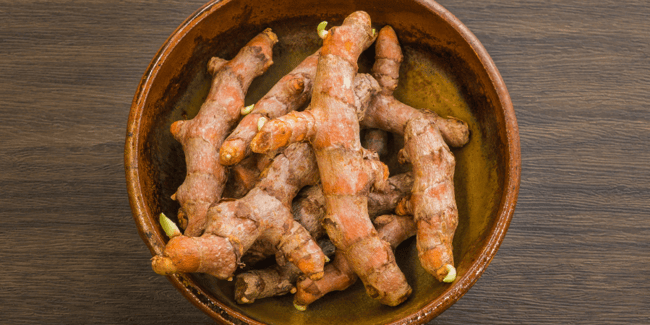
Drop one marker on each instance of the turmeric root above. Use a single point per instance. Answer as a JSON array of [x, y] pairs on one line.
[[276, 280], [432, 201], [331, 125], [281, 278], [288, 94], [244, 173], [385, 202], [338, 274], [309, 207], [202, 136], [263, 213], [389, 114]]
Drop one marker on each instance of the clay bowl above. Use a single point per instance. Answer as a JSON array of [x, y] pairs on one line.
[[445, 69]]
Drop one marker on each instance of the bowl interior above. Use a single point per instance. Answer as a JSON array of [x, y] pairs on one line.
[[441, 71]]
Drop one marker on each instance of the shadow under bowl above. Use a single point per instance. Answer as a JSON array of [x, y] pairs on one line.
[[445, 69]]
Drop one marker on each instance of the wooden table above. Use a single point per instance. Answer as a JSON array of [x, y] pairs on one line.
[[578, 248]]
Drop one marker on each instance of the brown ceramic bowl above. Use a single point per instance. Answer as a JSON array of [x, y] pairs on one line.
[[445, 69]]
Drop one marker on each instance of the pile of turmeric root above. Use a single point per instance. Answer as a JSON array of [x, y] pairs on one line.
[[303, 185]]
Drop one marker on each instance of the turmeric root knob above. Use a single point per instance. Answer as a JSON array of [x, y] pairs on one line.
[[207, 254]]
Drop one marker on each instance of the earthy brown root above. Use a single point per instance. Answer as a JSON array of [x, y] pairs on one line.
[[331, 126], [309, 207], [259, 251], [385, 202], [432, 202], [264, 214], [395, 229], [276, 280], [243, 177], [376, 140], [202, 136], [289, 94], [387, 113], [280, 279], [338, 274]]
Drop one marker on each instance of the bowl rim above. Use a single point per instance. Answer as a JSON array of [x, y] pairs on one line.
[[220, 312]]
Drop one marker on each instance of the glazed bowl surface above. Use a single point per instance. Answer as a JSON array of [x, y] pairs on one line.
[[445, 69]]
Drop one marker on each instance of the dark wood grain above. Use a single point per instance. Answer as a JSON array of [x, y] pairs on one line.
[[578, 248]]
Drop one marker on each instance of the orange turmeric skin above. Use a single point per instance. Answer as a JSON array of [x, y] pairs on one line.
[[264, 213], [309, 208], [387, 113], [184, 254], [331, 126], [432, 201], [289, 94], [283, 278], [202, 136], [338, 274]]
